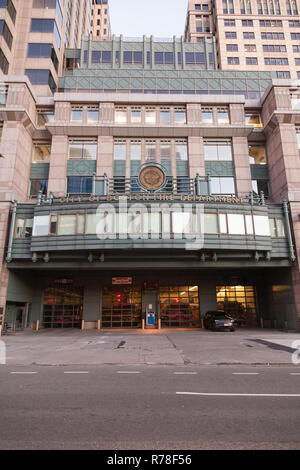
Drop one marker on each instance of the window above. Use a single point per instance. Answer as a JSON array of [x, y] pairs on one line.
[[3, 93], [165, 115], [270, 23], [257, 155], [250, 48], [132, 57], [231, 47], [207, 115], [150, 150], [93, 114], [253, 119], [277, 228], [101, 57], [210, 223], [41, 77], [283, 74], [217, 150], [8, 4], [4, 65], [229, 22], [223, 115], [247, 22], [136, 115], [261, 225], [23, 228], [251, 61], [276, 61], [233, 60], [41, 152], [40, 25], [222, 185], [43, 50], [179, 116], [274, 48], [44, 116], [38, 186], [150, 116], [83, 149], [230, 35], [79, 185], [279, 36], [121, 115], [41, 226], [248, 35], [163, 58], [5, 32], [194, 58], [259, 186], [76, 114]]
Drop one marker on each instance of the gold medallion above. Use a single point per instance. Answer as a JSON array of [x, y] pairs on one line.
[[152, 178]]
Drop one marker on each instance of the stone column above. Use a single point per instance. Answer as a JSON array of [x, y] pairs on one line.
[[58, 165], [105, 157], [196, 156], [241, 166]]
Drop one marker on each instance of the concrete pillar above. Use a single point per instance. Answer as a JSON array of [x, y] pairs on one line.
[[58, 165], [241, 165], [196, 156], [105, 157]]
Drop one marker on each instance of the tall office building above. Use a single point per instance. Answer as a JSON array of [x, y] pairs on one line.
[[249, 35], [34, 35], [100, 25]]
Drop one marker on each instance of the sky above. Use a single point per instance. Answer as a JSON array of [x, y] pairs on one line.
[[135, 18]]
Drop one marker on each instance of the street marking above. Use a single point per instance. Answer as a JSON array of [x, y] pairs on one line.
[[245, 373], [295, 373], [76, 372], [16, 373], [128, 372], [241, 394], [185, 373]]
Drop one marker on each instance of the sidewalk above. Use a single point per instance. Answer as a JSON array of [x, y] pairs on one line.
[[167, 347]]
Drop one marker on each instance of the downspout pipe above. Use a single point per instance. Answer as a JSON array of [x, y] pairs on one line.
[[289, 232], [12, 231]]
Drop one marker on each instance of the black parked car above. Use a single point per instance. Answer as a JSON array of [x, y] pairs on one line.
[[218, 320]]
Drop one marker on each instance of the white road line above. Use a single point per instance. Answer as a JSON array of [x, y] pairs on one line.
[[245, 373], [17, 373], [76, 372], [185, 373], [294, 373], [128, 372], [240, 394]]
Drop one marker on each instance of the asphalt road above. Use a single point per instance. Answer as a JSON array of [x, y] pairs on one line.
[[149, 407]]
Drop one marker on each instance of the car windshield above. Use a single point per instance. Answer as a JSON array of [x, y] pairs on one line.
[[221, 316]]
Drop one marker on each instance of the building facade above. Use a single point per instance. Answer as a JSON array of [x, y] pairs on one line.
[[37, 32], [100, 24], [249, 35], [152, 187]]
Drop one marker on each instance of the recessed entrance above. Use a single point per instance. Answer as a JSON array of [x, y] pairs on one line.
[[121, 307], [179, 307], [240, 302], [63, 307]]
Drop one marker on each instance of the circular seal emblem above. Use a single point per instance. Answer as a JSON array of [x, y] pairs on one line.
[[152, 178]]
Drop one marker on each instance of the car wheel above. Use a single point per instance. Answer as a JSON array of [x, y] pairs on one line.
[[232, 329]]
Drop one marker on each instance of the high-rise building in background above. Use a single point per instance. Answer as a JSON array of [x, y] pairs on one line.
[[249, 35], [100, 24], [34, 35]]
